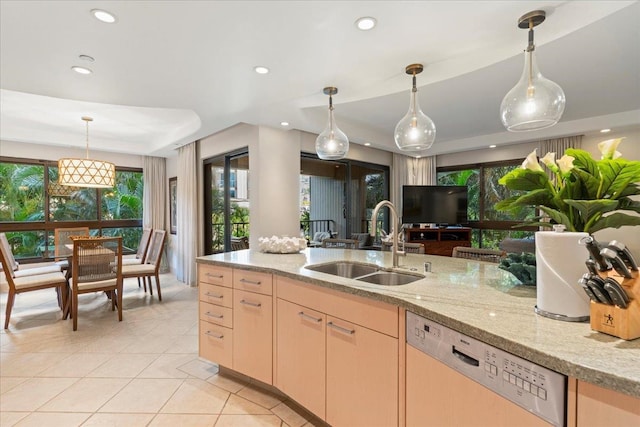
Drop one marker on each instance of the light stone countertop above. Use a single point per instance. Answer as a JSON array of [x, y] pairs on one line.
[[474, 298]]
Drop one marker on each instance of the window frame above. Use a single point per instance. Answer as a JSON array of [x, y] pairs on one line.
[[48, 226]]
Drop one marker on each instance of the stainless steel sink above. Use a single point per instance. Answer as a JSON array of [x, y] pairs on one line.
[[389, 278], [346, 269], [365, 273]]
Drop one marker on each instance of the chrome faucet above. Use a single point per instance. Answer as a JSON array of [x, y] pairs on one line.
[[394, 222]]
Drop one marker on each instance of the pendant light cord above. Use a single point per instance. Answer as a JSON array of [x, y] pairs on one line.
[[87, 123], [530, 48]]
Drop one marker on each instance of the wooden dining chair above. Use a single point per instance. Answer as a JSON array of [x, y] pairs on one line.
[[151, 266], [28, 283], [143, 246], [17, 270], [62, 238], [96, 267]]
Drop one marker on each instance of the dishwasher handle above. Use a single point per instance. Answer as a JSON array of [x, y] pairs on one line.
[[465, 358]]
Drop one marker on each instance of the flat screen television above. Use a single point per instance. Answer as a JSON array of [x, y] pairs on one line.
[[434, 204]]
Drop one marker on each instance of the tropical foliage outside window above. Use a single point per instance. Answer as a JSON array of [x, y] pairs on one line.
[[31, 210], [490, 226]]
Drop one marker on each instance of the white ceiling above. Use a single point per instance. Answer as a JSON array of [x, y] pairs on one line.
[[170, 72]]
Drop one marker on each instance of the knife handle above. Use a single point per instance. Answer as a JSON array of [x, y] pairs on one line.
[[594, 250]]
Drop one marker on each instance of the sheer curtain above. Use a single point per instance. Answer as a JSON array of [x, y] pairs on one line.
[[187, 213], [558, 145], [154, 201], [154, 197], [422, 171], [410, 171]]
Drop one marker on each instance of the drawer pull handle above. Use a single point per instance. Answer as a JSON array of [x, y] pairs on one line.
[[252, 304], [341, 329], [209, 294], [251, 282], [214, 335], [217, 276], [306, 316], [216, 315]]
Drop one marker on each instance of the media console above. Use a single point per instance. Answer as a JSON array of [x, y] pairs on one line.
[[439, 241]]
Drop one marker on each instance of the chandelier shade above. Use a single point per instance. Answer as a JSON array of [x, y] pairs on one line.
[[332, 143], [415, 131], [88, 173], [534, 102]]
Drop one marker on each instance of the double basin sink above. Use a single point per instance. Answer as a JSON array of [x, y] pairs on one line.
[[365, 273]]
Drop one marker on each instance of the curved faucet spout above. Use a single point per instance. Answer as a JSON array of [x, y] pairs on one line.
[[394, 222]]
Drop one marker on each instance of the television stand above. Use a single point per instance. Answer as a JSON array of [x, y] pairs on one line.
[[439, 241]]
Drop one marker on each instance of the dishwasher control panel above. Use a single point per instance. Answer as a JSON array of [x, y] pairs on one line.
[[533, 387]]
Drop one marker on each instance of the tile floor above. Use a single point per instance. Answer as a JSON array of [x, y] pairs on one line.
[[143, 371]]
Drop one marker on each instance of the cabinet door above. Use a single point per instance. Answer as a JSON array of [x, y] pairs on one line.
[[216, 344], [599, 406], [253, 337], [300, 355], [362, 376], [439, 396]]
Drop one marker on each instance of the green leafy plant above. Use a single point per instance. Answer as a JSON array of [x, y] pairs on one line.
[[585, 195]]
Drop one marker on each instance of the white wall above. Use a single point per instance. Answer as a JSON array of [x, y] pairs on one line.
[[48, 152]]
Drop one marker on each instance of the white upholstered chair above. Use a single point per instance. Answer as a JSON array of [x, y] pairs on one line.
[[151, 266], [28, 283]]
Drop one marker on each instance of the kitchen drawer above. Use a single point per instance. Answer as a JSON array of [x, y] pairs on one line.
[[216, 344], [371, 314], [216, 314], [215, 275], [253, 281], [218, 295]]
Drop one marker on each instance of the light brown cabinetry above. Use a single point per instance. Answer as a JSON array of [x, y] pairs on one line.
[[439, 241], [439, 396], [362, 380], [300, 355], [236, 319], [360, 340], [215, 327], [253, 336], [597, 406]]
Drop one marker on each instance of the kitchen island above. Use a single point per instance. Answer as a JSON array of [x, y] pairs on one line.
[[474, 298]]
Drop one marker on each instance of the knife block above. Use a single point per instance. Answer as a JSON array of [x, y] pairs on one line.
[[620, 322]]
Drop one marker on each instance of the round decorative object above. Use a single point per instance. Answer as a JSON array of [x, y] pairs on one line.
[[281, 245]]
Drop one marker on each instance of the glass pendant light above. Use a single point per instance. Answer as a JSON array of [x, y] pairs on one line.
[[332, 143], [86, 172], [534, 102], [415, 131]]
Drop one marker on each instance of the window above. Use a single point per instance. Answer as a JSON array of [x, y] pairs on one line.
[[33, 205], [226, 200], [490, 226], [339, 196]]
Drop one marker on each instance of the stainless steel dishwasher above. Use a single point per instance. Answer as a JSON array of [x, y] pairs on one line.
[[437, 395]]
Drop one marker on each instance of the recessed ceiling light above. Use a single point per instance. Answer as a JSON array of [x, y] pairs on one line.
[[86, 58], [417, 157], [366, 144], [260, 69], [493, 146], [605, 130], [103, 16], [284, 123], [365, 23], [81, 70]]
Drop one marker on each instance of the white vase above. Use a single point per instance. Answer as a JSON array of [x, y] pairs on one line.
[[560, 262]]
